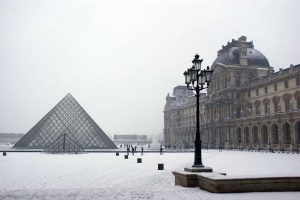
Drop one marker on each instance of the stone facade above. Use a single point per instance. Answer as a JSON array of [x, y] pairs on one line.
[[247, 104]]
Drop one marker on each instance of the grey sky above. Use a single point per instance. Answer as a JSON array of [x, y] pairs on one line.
[[120, 58]]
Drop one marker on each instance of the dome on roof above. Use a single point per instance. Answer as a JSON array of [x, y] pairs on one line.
[[230, 54], [181, 90]]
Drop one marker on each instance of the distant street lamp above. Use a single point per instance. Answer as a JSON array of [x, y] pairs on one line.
[[197, 79]]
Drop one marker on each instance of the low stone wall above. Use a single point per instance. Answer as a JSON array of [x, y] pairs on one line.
[[186, 179], [219, 183]]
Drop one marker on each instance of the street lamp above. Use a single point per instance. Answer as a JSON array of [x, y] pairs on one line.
[[197, 79]]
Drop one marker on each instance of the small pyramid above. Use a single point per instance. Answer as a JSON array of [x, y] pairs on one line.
[[67, 121]]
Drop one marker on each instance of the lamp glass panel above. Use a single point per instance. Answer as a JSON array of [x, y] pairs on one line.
[[187, 78], [194, 75], [202, 78], [198, 64], [190, 75], [208, 75]]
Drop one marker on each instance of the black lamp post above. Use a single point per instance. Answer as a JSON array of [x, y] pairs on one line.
[[197, 79]]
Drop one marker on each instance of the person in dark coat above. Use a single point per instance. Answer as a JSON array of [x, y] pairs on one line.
[[161, 150], [128, 150], [132, 150], [142, 151]]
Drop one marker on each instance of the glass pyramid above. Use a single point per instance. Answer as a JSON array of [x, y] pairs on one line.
[[66, 127]]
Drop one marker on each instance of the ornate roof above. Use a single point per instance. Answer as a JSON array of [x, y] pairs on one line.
[[230, 54]]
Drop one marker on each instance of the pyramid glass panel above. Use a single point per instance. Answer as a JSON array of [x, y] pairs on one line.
[[66, 127], [64, 143]]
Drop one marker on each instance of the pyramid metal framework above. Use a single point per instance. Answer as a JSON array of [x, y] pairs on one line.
[[66, 128], [64, 143]]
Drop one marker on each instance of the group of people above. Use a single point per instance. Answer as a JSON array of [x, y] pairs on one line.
[[133, 149]]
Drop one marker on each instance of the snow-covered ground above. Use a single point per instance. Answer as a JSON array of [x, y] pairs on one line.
[[94, 176]]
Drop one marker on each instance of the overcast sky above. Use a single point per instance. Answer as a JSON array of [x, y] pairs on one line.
[[120, 58]]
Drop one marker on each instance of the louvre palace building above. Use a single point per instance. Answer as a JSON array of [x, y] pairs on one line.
[[247, 105]]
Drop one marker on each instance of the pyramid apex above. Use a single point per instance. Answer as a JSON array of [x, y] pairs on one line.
[[68, 96]]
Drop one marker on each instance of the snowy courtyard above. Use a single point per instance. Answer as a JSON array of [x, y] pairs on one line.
[[94, 176]]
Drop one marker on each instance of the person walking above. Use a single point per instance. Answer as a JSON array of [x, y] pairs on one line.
[[128, 150], [220, 148], [132, 150], [142, 151], [161, 150]]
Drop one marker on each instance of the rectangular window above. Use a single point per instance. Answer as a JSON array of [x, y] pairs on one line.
[[276, 105], [275, 86], [298, 103], [287, 104], [238, 79], [286, 84], [257, 109], [298, 80], [266, 89], [238, 112], [267, 108], [249, 110]]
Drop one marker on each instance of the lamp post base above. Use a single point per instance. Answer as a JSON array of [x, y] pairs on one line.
[[198, 169], [198, 165]]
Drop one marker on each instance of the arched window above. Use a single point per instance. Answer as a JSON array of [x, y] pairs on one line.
[[246, 132], [238, 135], [255, 135], [286, 133], [274, 131], [264, 131], [297, 132]]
